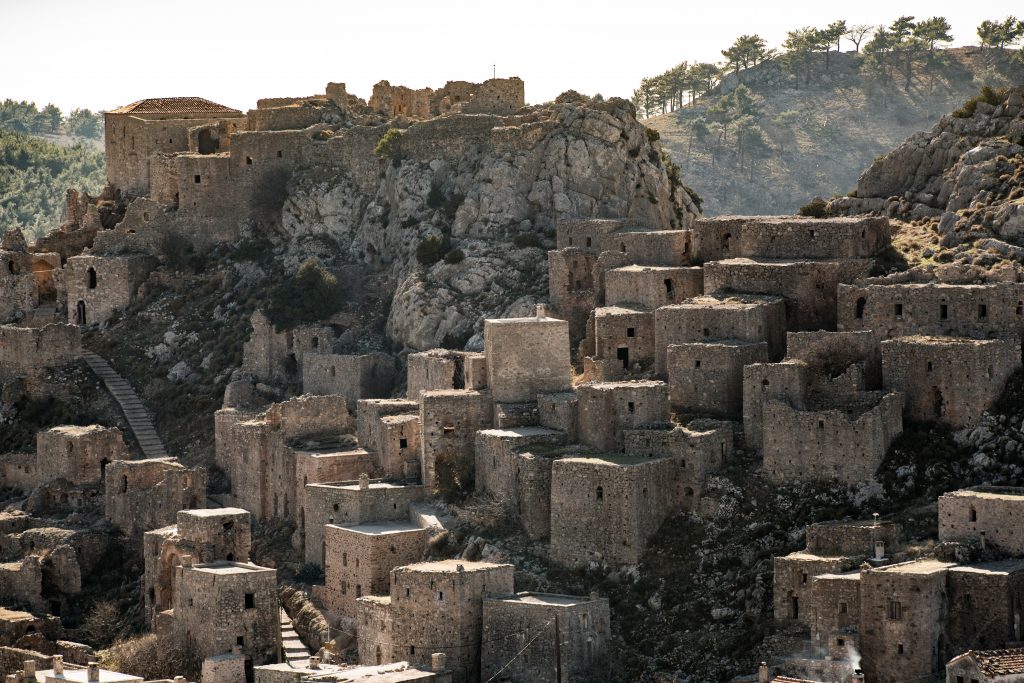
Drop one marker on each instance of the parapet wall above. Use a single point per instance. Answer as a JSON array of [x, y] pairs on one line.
[[30, 350], [788, 237]]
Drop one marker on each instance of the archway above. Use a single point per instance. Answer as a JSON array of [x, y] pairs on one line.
[[80, 313], [92, 277], [861, 303], [936, 402]]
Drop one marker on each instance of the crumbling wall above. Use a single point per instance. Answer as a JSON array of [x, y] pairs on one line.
[[652, 286], [722, 237], [608, 408], [141, 495], [100, 286], [354, 377], [79, 455], [707, 377]]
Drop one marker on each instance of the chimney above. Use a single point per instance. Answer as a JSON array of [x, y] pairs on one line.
[[58, 665], [762, 673], [542, 310], [438, 661], [180, 679], [858, 676], [314, 662], [94, 672], [29, 667], [364, 481], [875, 515]]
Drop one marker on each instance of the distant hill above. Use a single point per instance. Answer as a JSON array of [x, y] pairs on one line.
[[817, 126], [34, 175]]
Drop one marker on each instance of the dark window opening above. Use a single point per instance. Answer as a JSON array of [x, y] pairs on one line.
[[622, 354], [696, 363], [600, 493], [448, 429], [124, 483], [631, 407], [248, 161], [589, 241], [403, 443], [973, 515], [982, 311], [630, 331], [899, 649], [92, 278], [943, 312], [280, 154], [250, 601], [898, 310], [669, 287], [197, 179], [240, 640]]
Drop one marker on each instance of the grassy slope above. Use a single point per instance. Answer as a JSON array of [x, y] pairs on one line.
[[840, 129]]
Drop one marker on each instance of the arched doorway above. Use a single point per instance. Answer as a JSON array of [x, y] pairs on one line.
[[80, 313], [92, 277]]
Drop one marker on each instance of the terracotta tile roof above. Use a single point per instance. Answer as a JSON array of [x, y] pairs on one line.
[[174, 105], [999, 662]]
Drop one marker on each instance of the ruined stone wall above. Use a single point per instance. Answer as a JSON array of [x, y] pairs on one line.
[[836, 605], [18, 288], [984, 606], [284, 116], [809, 287], [358, 560], [494, 96], [242, 450], [312, 467], [707, 377], [833, 443], [571, 287], [586, 233], [30, 350], [141, 495], [449, 421], [18, 470], [496, 461], [100, 286], [723, 237], [851, 538], [946, 310], [526, 356], [607, 510], [21, 583], [624, 335], [902, 619], [826, 352], [78, 454], [348, 504], [608, 408], [950, 380], [399, 455], [747, 318], [371, 430], [354, 377], [441, 369], [521, 632], [968, 514], [559, 411], [651, 247], [651, 286], [697, 450], [792, 594], [786, 382], [222, 605]]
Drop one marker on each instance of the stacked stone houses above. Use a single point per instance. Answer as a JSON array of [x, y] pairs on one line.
[[588, 424]]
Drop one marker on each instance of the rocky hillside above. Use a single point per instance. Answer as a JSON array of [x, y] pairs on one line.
[[820, 125], [959, 187]]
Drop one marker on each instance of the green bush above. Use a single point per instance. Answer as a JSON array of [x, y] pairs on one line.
[[390, 146], [454, 256], [988, 95], [310, 295], [816, 208], [310, 573], [526, 239], [652, 135], [432, 249]]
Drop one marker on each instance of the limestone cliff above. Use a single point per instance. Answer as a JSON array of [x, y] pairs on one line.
[[962, 181], [492, 196]]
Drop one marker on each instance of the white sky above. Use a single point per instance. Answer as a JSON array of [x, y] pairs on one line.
[[102, 54]]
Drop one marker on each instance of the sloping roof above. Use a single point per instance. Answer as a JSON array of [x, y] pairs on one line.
[[994, 663], [174, 105]]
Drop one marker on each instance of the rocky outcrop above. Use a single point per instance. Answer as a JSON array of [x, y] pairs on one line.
[[966, 175], [491, 202]]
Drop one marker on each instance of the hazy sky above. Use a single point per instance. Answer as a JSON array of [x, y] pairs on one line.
[[102, 54]]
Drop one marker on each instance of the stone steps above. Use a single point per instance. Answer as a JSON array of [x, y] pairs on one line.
[[134, 410], [291, 645]]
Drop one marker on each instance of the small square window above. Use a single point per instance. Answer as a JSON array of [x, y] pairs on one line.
[[280, 154], [898, 310], [631, 407], [899, 649], [696, 363], [240, 640], [843, 609], [403, 443], [630, 331], [198, 179], [248, 161]]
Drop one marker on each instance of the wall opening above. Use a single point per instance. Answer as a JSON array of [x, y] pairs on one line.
[[600, 493], [80, 313], [622, 354], [91, 273], [197, 179], [936, 402], [208, 142], [943, 312], [982, 311], [630, 331], [250, 601], [897, 310], [669, 288]]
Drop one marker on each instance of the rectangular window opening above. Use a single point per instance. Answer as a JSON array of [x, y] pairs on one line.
[[198, 179], [250, 601]]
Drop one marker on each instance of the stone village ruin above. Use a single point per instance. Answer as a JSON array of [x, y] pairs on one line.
[[664, 345]]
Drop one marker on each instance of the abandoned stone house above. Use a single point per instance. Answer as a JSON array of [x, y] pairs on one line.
[[906, 617]]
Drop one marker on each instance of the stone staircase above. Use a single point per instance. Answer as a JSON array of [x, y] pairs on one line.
[[292, 646], [138, 417]]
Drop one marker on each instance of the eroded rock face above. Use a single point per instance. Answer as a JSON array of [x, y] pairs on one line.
[[495, 198], [967, 174]]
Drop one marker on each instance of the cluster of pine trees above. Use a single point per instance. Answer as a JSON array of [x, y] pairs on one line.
[[888, 50], [24, 117]]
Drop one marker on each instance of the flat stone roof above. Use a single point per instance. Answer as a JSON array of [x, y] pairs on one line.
[[625, 384], [843, 576], [853, 522], [453, 567], [520, 432], [783, 262], [399, 418], [549, 599], [214, 512], [343, 673], [14, 615], [612, 460], [609, 311], [923, 566], [633, 268], [81, 675], [354, 485], [332, 453], [925, 340], [1010, 493], [727, 301], [521, 321], [1003, 567], [224, 567], [379, 528]]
